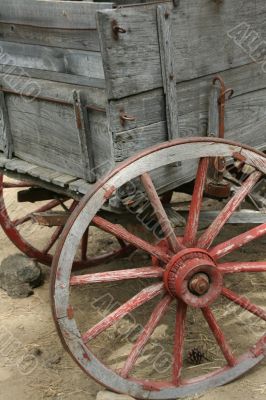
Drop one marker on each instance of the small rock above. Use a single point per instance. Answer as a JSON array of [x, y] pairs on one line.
[[112, 396], [19, 275], [55, 360]]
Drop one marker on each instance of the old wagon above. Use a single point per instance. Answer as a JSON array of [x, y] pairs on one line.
[[107, 113]]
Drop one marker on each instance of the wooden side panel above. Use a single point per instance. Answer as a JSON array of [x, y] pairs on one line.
[[204, 34], [53, 14], [131, 61], [80, 39], [64, 61], [47, 134]]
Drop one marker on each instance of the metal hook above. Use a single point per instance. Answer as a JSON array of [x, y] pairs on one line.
[[124, 117]]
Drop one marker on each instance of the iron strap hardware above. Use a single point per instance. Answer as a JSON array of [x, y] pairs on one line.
[[51, 100]]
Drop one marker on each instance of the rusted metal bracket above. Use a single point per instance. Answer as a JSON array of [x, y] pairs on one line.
[[216, 186], [116, 29], [124, 117], [51, 100]]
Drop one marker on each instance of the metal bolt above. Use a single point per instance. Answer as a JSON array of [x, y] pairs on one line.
[[199, 284]]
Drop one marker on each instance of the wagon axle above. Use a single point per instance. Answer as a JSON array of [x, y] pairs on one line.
[[193, 277]]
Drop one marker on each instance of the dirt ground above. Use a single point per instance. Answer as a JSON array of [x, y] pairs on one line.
[[34, 366]]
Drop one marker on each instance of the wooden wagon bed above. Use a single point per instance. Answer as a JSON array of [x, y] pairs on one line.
[[85, 86]]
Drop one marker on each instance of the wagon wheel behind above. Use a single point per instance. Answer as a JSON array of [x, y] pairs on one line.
[[19, 230], [191, 279]]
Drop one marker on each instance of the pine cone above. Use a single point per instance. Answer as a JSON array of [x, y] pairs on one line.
[[195, 356]]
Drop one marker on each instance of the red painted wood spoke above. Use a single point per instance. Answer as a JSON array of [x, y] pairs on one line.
[[128, 237], [53, 239], [237, 267], [143, 297], [219, 336], [55, 236], [49, 206], [181, 313], [174, 244], [146, 334], [244, 303], [195, 206], [112, 276], [233, 244], [214, 229]]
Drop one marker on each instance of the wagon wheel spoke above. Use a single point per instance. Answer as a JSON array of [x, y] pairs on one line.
[[174, 243], [146, 334], [181, 313], [121, 242], [55, 236], [142, 297], [53, 239], [113, 276], [214, 229], [196, 202], [219, 336], [244, 303], [128, 237], [230, 245], [47, 207], [237, 267]]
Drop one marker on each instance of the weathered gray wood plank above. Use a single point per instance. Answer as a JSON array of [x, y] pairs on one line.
[[169, 69], [64, 61], [102, 143], [56, 14], [45, 134], [80, 39], [80, 186], [130, 142], [201, 48], [131, 63], [147, 108], [213, 115], [204, 33], [84, 135], [193, 103], [5, 131], [33, 74], [239, 217], [45, 88]]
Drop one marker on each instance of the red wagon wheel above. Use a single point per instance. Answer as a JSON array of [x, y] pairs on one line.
[[190, 276], [17, 230]]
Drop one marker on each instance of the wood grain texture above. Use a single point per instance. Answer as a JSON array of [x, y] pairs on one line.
[[56, 14], [54, 59], [213, 115], [5, 131], [132, 63], [49, 134], [206, 48], [169, 69], [84, 136], [52, 76], [79, 39], [129, 142], [46, 88]]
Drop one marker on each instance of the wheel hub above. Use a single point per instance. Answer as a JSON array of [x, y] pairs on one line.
[[192, 276]]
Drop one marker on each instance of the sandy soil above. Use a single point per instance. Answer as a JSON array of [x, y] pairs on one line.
[[34, 366]]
